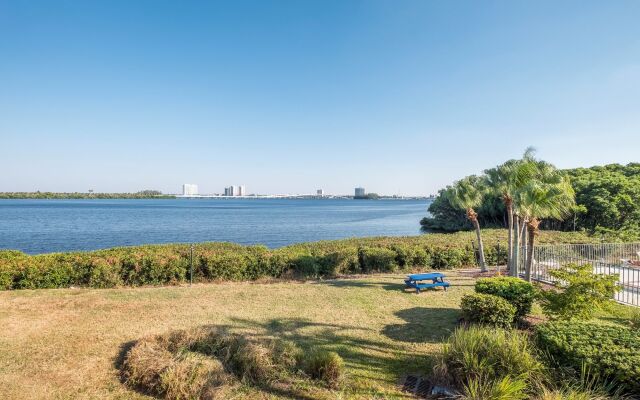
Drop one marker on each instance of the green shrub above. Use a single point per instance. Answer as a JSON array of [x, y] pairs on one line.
[[377, 259], [11, 262], [517, 292], [581, 293], [307, 266], [610, 353], [452, 258], [104, 275], [339, 262], [484, 360], [634, 320], [170, 263], [45, 271], [324, 365], [487, 309], [408, 256]]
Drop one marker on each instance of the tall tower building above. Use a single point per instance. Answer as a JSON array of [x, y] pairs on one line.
[[189, 189], [359, 192]]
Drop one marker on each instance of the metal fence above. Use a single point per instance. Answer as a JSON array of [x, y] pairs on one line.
[[619, 259]]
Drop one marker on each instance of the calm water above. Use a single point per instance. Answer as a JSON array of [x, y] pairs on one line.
[[41, 226]]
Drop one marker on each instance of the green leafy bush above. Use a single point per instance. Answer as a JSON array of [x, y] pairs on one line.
[[377, 259], [517, 292], [170, 264], [487, 309], [610, 353], [581, 293], [104, 275], [452, 258], [490, 362], [11, 262]]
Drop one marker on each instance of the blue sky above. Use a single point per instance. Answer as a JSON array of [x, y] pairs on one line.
[[290, 96]]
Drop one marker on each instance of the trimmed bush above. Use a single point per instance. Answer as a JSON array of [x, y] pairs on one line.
[[487, 309], [324, 365], [484, 361], [610, 353], [170, 263], [339, 262], [377, 259], [517, 292]]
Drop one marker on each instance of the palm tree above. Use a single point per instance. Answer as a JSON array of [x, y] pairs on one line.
[[467, 194], [548, 195], [506, 180]]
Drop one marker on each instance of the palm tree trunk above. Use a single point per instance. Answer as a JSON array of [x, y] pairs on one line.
[[509, 205], [515, 256], [473, 217], [483, 264], [532, 229], [523, 241]]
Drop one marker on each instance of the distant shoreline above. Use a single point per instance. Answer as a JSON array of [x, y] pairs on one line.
[[144, 196]]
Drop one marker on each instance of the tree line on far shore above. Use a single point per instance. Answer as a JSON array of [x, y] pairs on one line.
[[143, 194]]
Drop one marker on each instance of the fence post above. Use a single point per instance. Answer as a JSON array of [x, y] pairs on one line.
[[498, 259], [191, 266]]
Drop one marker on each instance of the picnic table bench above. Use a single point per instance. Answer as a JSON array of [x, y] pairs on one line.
[[416, 281]]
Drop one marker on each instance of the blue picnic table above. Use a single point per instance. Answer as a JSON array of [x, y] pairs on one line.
[[416, 281]]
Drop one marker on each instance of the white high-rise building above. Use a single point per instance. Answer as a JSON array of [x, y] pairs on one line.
[[320, 192], [189, 189], [235, 190]]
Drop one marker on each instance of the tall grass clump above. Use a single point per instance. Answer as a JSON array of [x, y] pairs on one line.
[[490, 363], [324, 365]]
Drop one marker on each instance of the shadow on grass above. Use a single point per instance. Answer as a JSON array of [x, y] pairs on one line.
[[353, 283], [122, 353], [423, 325], [365, 357]]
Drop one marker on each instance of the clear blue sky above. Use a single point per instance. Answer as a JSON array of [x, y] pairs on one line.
[[290, 96]]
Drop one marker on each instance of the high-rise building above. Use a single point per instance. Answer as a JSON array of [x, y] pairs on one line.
[[234, 190], [189, 189], [360, 192], [320, 192]]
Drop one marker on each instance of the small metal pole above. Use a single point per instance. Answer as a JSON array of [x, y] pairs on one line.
[[475, 253], [191, 266], [498, 259]]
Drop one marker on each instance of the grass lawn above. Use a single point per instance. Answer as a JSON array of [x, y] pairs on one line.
[[67, 343]]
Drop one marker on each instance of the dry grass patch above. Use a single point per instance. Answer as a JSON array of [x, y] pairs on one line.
[[70, 343], [209, 362]]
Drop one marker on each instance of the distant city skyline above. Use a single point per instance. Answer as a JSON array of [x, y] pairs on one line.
[[285, 97]]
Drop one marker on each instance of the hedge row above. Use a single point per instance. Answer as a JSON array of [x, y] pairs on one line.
[[609, 353], [170, 264]]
